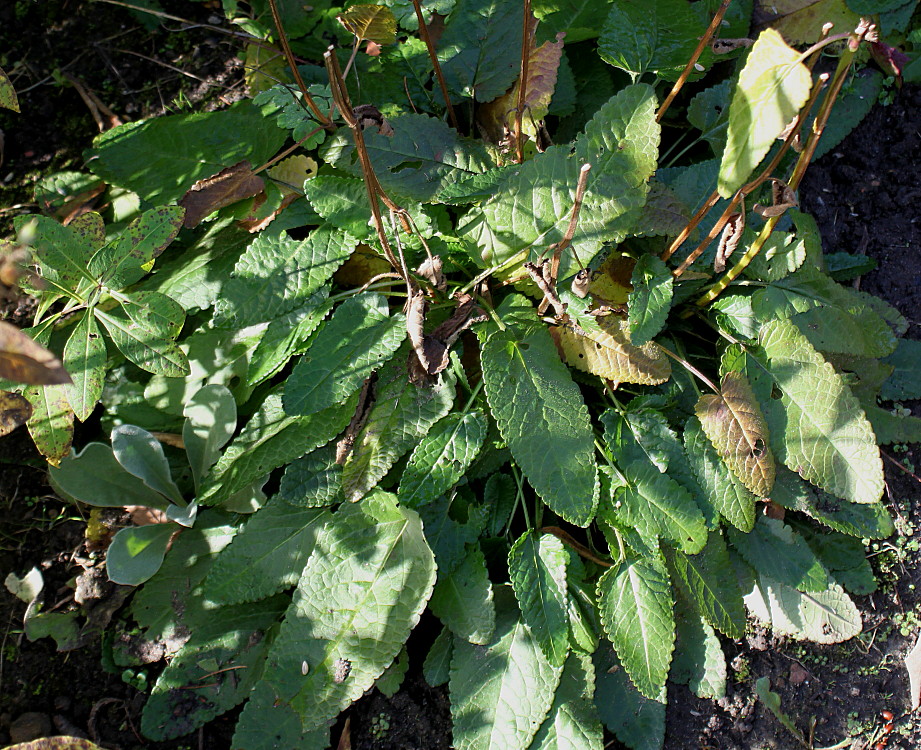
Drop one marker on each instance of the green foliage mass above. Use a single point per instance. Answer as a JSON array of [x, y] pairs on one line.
[[508, 392]]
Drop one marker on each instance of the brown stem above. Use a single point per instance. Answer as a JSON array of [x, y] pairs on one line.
[[289, 56], [283, 154], [424, 33], [523, 78], [580, 548], [691, 225], [704, 41]]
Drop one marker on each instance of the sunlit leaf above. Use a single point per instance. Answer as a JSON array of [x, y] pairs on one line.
[[375, 23]]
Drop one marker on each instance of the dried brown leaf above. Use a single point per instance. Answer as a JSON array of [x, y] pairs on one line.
[[24, 361], [734, 423], [725, 46], [15, 410], [782, 198], [223, 189], [729, 240]]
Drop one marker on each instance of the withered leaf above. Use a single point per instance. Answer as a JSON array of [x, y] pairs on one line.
[[609, 354], [611, 282], [90, 227], [223, 189], [734, 423], [432, 349], [376, 23], [24, 361], [580, 283], [15, 410], [432, 270], [782, 198], [725, 46], [729, 240]]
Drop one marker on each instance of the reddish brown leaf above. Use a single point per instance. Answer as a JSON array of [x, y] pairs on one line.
[[782, 198], [223, 189], [15, 410], [24, 361]]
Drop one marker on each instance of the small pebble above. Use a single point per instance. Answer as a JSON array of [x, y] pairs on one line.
[[32, 725]]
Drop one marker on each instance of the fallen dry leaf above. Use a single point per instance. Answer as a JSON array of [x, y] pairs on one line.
[[729, 241], [913, 665], [223, 189], [24, 361]]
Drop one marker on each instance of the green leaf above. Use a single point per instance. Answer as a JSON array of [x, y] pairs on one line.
[[903, 383], [161, 158], [126, 259], [827, 616], [267, 555], [141, 455], [480, 49], [61, 252], [463, 599], [8, 98], [699, 660], [85, 359], [501, 693], [532, 208], [650, 300], [635, 602], [52, 422], [211, 420], [268, 723], [402, 414], [437, 666], [817, 426], [421, 157], [709, 582], [500, 495], [313, 481], [543, 419], [360, 594], [269, 440], [708, 111], [580, 19], [894, 428], [473, 188], [144, 346], [442, 457], [657, 36], [573, 722], [537, 570], [136, 552], [775, 550], [357, 340], [342, 201], [637, 721], [95, 477], [217, 668], [276, 275], [845, 558], [445, 535], [772, 87]]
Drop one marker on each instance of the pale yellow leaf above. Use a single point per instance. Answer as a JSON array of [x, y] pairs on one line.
[[376, 23], [801, 21], [292, 172]]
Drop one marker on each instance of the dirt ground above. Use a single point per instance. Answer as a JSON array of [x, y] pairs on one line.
[[863, 194]]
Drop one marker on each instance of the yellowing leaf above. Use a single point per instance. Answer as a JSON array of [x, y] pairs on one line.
[[611, 282], [15, 410], [292, 172], [56, 743], [263, 68], [609, 354], [735, 425], [801, 21], [375, 23], [7, 93]]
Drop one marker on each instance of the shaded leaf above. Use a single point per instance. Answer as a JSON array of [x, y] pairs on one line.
[[22, 360], [141, 455], [699, 660], [801, 21], [211, 420], [463, 599], [223, 189], [638, 722], [573, 722], [775, 550], [8, 96]]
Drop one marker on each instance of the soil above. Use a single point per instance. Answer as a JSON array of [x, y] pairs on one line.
[[862, 194]]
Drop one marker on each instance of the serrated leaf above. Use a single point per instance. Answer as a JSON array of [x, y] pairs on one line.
[[637, 721], [664, 213], [844, 557], [360, 594], [772, 87], [817, 426], [52, 422], [267, 555], [650, 300], [501, 693], [893, 428], [708, 111], [635, 602], [85, 359], [437, 665], [125, 259], [268, 723], [144, 346], [276, 275], [537, 571], [828, 616], [373, 22], [313, 481], [609, 354], [359, 338], [445, 535], [217, 667], [542, 417], [658, 36], [402, 414], [775, 550], [442, 457], [710, 584], [736, 427], [699, 660], [573, 722], [161, 158], [463, 599], [271, 439], [342, 201]]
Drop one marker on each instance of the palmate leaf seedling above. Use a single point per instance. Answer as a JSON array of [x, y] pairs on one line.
[[513, 387]]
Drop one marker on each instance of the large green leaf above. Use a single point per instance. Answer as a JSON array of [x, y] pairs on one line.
[[573, 722], [61, 252], [533, 206], [161, 158], [136, 552], [144, 345], [537, 570], [360, 594], [213, 672], [402, 413], [442, 457], [271, 439], [501, 693], [463, 599], [656, 36], [699, 660], [85, 359], [772, 87], [638, 721], [650, 299], [276, 275], [359, 338], [542, 417], [342, 201], [211, 420], [635, 601], [52, 422], [903, 383], [775, 550], [141, 454], [267, 555], [817, 426]]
